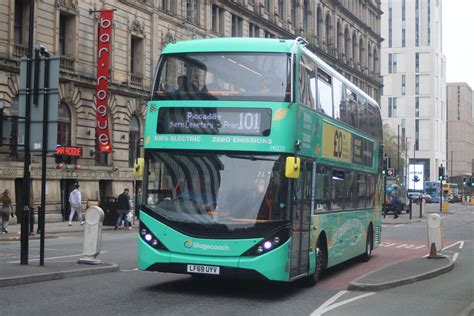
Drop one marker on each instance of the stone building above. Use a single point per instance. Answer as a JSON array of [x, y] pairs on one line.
[[345, 33]]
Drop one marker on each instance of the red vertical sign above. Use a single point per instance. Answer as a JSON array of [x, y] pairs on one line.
[[104, 142]]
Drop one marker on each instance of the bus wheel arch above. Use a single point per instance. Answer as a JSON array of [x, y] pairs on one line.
[[369, 243], [321, 252]]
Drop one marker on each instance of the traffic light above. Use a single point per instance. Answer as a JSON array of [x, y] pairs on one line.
[[386, 165], [472, 181], [464, 180], [441, 173]]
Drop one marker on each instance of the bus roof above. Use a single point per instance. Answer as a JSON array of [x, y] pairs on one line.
[[251, 44], [230, 44]]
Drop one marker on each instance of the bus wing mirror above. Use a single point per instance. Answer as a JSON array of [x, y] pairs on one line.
[[293, 167], [138, 167]]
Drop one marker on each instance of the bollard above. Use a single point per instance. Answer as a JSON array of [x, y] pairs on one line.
[[435, 235], [410, 207], [421, 207], [32, 221], [92, 235]]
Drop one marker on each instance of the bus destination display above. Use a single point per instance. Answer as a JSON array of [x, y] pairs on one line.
[[216, 121]]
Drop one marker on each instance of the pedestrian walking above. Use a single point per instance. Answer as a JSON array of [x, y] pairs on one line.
[[123, 208], [6, 210], [75, 201]]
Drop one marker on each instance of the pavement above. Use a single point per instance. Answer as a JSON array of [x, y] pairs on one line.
[[400, 273], [12, 274]]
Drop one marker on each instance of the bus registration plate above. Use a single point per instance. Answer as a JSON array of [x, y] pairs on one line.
[[194, 268]]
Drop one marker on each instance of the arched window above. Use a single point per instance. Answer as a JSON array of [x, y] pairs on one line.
[[347, 44], [64, 125], [354, 47], [328, 31], [293, 13], [133, 138], [361, 53], [64, 131], [369, 58], [376, 60], [319, 21], [305, 16], [340, 41]]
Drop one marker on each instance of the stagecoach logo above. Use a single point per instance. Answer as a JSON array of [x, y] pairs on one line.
[[190, 244]]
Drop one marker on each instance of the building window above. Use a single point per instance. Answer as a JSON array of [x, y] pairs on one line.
[[192, 11], [328, 31], [14, 140], [22, 13], [293, 13], [354, 47], [305, 16], [417, 62], [64, 125], [217, 20], [254, 30], [403, 23], [417, 134], [237, 26], [403, 85], [347, 44], [390, 23], [266, 5], [339, 42], [392, 107], [280, 8], [165, 5], [319, 21], [429, 22], [67, 34], [64, 131], [417, 84], [417, 106], [268, 34], [134, 138], [392, 63], [136, 56], [417, 23]]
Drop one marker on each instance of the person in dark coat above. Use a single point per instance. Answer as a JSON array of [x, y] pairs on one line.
[[123, 208]]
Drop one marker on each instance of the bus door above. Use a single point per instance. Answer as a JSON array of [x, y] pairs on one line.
[[301, 220]]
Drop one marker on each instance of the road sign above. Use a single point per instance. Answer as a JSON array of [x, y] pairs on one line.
[[391, 172]]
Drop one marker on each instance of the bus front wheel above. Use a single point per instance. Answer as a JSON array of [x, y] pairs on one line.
[[369, 245], [321, 257]]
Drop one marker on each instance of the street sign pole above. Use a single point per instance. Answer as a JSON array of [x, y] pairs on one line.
[[26, 167]]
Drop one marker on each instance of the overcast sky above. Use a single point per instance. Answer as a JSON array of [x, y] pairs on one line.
[[458, 40]]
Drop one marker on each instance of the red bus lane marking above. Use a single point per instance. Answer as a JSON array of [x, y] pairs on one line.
[[387, 254]]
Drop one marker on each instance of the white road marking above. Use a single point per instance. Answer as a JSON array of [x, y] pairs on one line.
[[419, 247], [402, 245], [317, 312], [326, 308], [455, 256], [128, 270], [458, 242]]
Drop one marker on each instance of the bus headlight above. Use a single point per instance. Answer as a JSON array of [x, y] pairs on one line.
[[276, 239], [150, 239]]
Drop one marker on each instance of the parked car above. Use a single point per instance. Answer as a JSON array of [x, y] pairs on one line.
[[415, 196], [427, 198]]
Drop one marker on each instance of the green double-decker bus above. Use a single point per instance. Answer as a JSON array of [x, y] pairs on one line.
[[261, 161]]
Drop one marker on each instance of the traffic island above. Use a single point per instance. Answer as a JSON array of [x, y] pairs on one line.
[[16, 274], [402, 273]]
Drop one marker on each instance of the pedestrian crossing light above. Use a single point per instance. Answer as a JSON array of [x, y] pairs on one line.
[[441, 173]]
